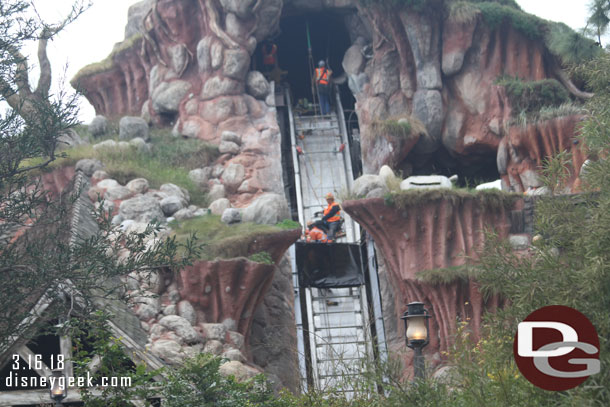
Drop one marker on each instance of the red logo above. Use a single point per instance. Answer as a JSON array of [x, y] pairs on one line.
[[556, 348]]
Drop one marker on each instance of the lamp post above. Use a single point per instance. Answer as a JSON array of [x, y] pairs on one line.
[[59, 388], [416, 334]]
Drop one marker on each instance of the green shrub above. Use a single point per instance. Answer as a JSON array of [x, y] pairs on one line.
[[495, 14], [261, 257], [530, 97]]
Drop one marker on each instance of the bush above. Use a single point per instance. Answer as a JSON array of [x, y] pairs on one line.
[[495, 14], [531, 97]]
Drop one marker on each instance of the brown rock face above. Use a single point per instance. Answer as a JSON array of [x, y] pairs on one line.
[[438, 234], [522, 152]]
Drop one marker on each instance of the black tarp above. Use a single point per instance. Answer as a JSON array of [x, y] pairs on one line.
[[329, 265]]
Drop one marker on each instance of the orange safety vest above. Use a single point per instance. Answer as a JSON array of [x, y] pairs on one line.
[[269, 54], [322, 76], [316, 235], [336, 217]]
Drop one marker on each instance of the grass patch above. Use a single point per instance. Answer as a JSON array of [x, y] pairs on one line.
[[463, 12], [546, 113], [531, 96], [227, 241], [445, 275], [288, 224], [489, 198], [570, 46], [398, 127], [495, 14], [170, 161]]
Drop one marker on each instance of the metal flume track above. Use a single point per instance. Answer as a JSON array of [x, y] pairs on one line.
[[336, 326]]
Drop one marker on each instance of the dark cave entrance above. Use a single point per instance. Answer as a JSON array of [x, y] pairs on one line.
[[329, 41]]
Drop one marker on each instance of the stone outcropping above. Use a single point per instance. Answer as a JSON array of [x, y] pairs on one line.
[[439, 233]]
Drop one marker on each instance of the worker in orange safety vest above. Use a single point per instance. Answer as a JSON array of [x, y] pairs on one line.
[[331, 217], [315, 234], [269, 56], [322, 78]]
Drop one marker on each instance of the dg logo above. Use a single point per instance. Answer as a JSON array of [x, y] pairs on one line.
[[556, 348]]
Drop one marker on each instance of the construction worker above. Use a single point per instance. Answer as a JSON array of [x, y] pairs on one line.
[[322, 78], [331, 217], [315, 234], [269, 56]]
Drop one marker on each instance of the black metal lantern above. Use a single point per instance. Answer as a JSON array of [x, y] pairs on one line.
[[417, 334], [59, 388]]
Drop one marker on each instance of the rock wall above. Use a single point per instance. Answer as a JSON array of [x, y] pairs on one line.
[[439, 233]]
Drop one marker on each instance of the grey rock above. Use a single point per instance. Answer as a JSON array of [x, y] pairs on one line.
[[233, 354], [170, 310], [135, 17], [216, 54], [131, 127], [366, 183], [268, 208], [238, 370], [230, 324], [519, 242], [236, 62], [200, 176], [184, 214], [108, 183], [98, 126], [123, 146], [99, 175], [230, 216], [186, 311], [214, 331], [231, 136], [147, 307], [386, 76], [233, 175], [105, 145], [377, 193], [178, 57], [502, 158], [234, 27], [168, 350], [214, 347], [172, 189], [141, 209], [386, 173], [115, 193], [428, 107], [242, 8], [171, 205], [228, 147], [145, 112], [69, 139], [237, 339], [137, 142], [203, 54], [138, 185], [167, 97], [89, 166], [182, 327], [217, 192], [117, 220], [530, 179], [217, 171], [257, 85], [218, 206], [353, 60], [218, 86]]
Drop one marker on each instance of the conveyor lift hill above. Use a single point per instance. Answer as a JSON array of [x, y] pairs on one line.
[[334, 335]]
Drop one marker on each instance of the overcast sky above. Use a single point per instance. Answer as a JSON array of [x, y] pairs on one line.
[[91, 38]]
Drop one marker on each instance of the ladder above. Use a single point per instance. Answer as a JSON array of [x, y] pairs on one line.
[[336, 326]]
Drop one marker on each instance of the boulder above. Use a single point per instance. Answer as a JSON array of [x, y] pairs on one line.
[[99, 175], [214, 331], [141, 209], [237, 339], [131, 127], [182, 327], [171, 205], [386, 173], [186, 311], [98, 126], [218, 86], [233, 354], [366, 183], [217, 192], [184, 214], [228, 147], [231, 136], [105, 145], [172, 189], [168, 350], [257, 85], [233, 175], [167, 97], [230, 216], [89, 166], [426, 182], [218, 206], [69, 139], [236, 62], [108, 183], [519, 242], [138, 185], [497, 184], [268, 209], [241, 8], [238, 370], [214, 347], [118, 192], [147, 307], [200, 176]]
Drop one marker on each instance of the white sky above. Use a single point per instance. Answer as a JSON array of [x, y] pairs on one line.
[[91, 38]]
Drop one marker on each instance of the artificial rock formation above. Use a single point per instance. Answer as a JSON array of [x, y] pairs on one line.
[[434, 234]]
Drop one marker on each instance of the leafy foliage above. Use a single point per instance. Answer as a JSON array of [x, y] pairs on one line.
[[530, 97]]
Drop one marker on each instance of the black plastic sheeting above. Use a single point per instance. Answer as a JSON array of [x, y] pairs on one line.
[[329, 265]]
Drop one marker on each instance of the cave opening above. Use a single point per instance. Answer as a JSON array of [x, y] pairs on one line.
[[329, 41]]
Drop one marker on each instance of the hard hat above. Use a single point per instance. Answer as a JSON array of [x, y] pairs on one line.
[[321, 64], [330, 196]]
